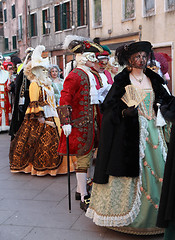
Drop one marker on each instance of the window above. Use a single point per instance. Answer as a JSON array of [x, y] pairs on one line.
[[97, 14], [149, 7], [66, 15], [128, 9], [14, 42], [170, 5], [33, 24], [46, 17], [20, 27], [80, 13], [6, 44], [62, 16], [5, 15], [58, 18], [13, 11]]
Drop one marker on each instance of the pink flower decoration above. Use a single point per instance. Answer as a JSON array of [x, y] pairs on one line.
[[141, 189], [145, 163], [156, 206], [152, 172], [147, 139], [155, 146], [160, 179], [148, 197]]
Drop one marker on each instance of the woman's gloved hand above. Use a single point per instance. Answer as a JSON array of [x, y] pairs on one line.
[[130, 112]]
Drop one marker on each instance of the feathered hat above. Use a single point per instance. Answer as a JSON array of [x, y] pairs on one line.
[[79, 44], [125, 51], [106, 51], [37, 60]]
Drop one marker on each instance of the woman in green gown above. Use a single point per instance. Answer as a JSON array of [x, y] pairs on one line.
[[132, 151]]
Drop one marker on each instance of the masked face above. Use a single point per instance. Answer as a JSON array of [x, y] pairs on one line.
[[138, 60], [41, 73], [101, 65], [91, 57]]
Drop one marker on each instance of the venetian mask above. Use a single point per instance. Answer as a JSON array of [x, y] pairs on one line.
[[138, 60]]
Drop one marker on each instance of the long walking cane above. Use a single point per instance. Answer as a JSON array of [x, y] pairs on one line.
[[68, 171]]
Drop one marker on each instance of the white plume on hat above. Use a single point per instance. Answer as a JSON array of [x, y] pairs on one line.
[[29, 49], [69, 38], [37, 60]]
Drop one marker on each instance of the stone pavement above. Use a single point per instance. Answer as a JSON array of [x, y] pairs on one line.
[[36, 208]]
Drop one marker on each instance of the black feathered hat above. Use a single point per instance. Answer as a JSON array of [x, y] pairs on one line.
[[79, 44], [123, 53]]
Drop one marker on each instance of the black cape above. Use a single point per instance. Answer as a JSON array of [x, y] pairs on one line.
[[118, 151], [19, 111], [166, 211]]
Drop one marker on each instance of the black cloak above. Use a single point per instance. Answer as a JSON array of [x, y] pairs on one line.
[[166, 211], [118, 151], [19, 111]]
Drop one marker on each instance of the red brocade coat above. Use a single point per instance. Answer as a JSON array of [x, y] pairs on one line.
[[76, 93]]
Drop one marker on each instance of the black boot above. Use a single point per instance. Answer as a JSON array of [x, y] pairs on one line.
[[77, 196]]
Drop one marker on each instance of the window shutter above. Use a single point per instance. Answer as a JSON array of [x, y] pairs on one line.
[[14, 42], [6, 44], [44, 19]]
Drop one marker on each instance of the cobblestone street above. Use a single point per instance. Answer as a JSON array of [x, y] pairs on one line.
[[35, 208]]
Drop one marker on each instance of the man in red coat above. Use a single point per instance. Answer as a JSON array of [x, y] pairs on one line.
[[77, 111]]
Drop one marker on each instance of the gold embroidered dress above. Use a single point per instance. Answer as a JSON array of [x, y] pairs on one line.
[[130, 205], [34, 149]]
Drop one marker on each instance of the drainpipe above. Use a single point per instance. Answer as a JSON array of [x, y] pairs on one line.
[[87, 17]]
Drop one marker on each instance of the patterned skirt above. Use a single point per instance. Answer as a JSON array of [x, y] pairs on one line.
[[34, 150]]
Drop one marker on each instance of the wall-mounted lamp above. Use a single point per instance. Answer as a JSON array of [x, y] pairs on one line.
[[47, 24]]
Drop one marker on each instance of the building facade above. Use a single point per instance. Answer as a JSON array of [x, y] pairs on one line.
[[47, 22], [15, 27], [117, 22]]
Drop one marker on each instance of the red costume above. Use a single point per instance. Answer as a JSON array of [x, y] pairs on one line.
[[5, 107], [76, 93]]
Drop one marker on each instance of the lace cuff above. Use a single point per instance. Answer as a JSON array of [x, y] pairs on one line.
[[64, 113]]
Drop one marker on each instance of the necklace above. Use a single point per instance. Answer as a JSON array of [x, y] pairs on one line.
[[137, 79]]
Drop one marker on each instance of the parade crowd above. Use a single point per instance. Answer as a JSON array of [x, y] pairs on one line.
[[116, 113]]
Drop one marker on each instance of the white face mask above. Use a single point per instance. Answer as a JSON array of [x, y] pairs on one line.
[[90, 56], [42, 75]]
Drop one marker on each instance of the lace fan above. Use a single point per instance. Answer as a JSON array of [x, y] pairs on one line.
[[133, 96]]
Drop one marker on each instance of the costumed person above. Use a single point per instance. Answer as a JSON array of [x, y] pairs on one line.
[[22, 99], [160, 65], [102, 76], [12, 84], [77, 111], [132, 149], [113, 66], [166, 213], [6, 62], [34, 148], [57, 82], [5, 106]]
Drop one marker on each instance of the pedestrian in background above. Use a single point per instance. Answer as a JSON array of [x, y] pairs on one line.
[[57, 82]]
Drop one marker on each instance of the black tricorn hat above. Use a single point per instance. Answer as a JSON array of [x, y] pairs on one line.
[[124, 52], [79, 44]]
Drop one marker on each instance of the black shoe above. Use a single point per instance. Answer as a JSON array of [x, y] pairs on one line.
[[77, 196], [84, 205]]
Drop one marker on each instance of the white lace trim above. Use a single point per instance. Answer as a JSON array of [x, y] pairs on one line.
[[162, 143], [118, 221]]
